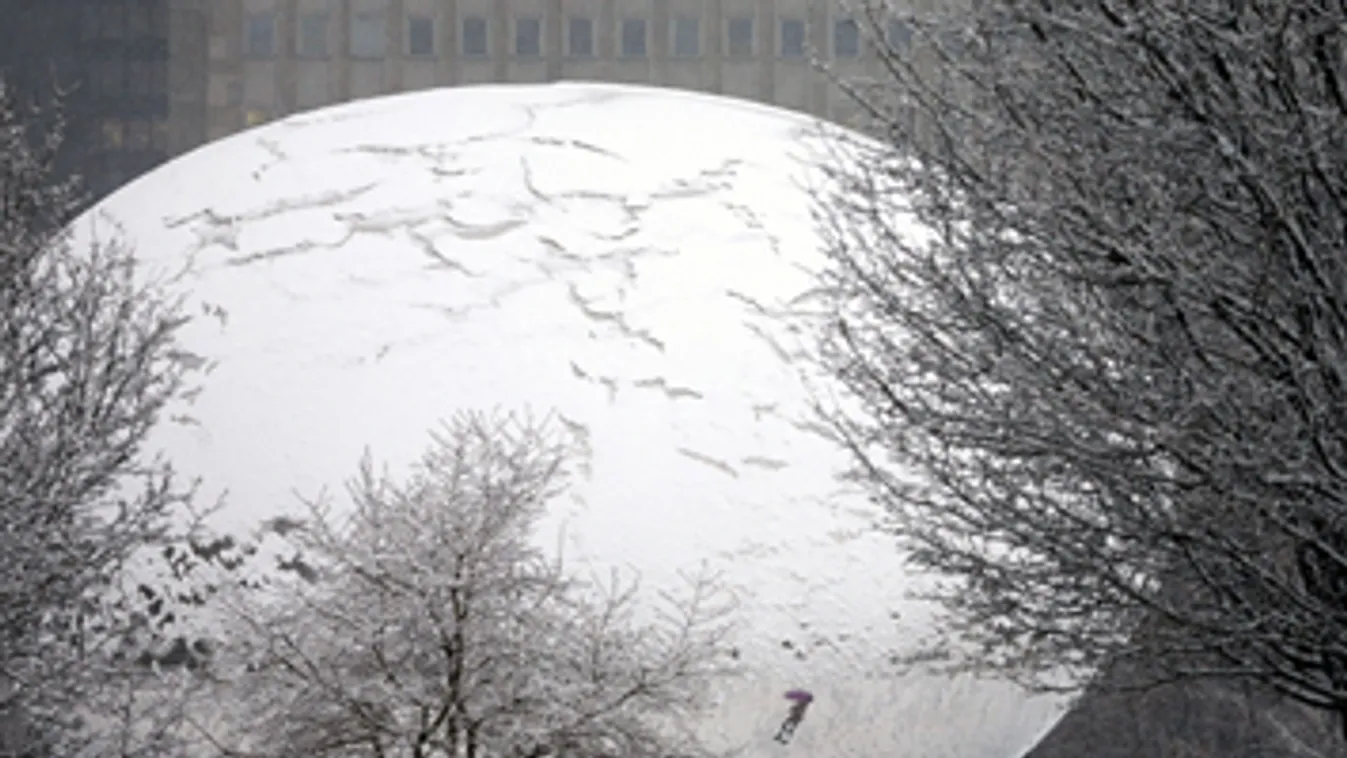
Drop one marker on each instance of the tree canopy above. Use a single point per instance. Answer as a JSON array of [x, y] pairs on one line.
[[1104, 388]]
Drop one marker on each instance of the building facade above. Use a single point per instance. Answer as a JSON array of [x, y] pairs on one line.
[[269, 58], [146, 80], [109, 61]]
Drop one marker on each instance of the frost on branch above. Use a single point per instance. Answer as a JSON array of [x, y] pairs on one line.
[[431, 624], [87, 363], [1116, 353]]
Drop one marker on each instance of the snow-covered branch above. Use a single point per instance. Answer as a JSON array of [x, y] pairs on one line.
[[87, 364], [1104, 387], [435, 626]]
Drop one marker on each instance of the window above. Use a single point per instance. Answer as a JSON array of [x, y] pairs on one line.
[[312, 35], [260, 39], [159, 134], [145, 78], [898, 34], [474, 36], [687, 37], [159, 78], [112, 20], [528, 37], [112, 134], [580, 36], [792, 40], [223, 91], [108, 77], [369, 35], [420, 35], [140, 19], [633, 38], [311, 88], [137, 134], [158, 19], [91, 26], [739, 37], [846, 38]]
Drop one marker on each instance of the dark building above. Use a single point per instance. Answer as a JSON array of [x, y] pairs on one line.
[[110, 61]]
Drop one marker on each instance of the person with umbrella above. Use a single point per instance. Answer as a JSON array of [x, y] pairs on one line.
[[800, 700]]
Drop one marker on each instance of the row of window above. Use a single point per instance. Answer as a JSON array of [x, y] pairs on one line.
[[124, 19], [114, 77], [134, 134], [369, 34]]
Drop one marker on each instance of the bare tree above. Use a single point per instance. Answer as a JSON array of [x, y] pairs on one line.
[[1092, 305], [429, 623], [87, 362]]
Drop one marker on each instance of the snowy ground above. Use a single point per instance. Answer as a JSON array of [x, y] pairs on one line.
[[638, 261]]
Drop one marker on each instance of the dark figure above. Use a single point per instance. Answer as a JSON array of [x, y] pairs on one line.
[[800, 700]]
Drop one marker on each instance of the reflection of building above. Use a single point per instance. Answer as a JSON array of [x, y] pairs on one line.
[[111, 58], [272, 57]]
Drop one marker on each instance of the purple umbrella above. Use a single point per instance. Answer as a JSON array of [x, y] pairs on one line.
[[800, 700]]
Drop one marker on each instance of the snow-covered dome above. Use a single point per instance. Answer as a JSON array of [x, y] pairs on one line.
[[637, 261]]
